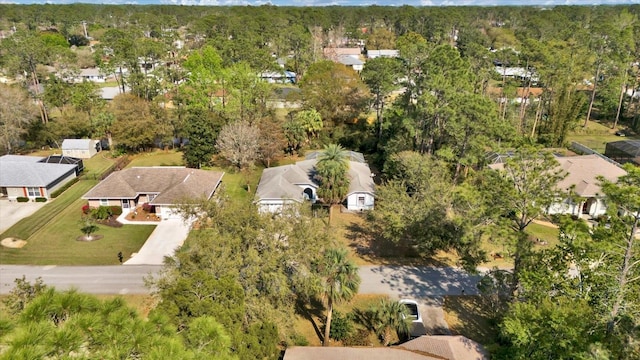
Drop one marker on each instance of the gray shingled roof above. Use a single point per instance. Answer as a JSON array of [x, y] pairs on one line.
[[172, 184], [350, 155], [282, 182], [18, 171], [76, 144]]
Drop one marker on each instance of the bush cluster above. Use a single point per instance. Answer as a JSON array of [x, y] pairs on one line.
[[147, 207], [116, 210], [41, 199], [22, 199], [101, 213], [86, 209], [56, 193], [341, 326]]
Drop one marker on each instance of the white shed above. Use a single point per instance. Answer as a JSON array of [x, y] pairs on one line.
[[80, 148]]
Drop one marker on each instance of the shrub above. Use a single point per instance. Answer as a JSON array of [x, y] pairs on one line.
[[101, 213], [359, 338], [41, 199], [22, 199], [147, 207], [298, 340], [56, 193], [116, 210], [341, 326], [86, 209]]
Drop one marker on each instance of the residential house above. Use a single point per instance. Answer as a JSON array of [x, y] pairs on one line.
[[518, 73], [582, 181], [162, 187], [273, 77], [91, 74], [350, 57], [33, 176], [372, 54], [436, 347], [356, 64], [333, 53], [80, 148], [290, 184]]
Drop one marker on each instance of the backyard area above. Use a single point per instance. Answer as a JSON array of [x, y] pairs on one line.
[[596, 136]]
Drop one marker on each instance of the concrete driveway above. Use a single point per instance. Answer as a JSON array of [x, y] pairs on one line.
[[168, 235], [12, 212]]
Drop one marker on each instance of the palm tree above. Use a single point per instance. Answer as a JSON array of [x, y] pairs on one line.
[[332, 174], [340, 282], [391, 316]]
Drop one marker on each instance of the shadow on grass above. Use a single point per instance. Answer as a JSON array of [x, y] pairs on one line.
[[473, 317], [371, 247], [309, 310]]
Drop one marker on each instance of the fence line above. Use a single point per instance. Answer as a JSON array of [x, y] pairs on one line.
[[584, 150]]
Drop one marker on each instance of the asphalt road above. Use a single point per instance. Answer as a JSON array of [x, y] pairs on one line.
[[398, 281], [90, 279], [426, 285]]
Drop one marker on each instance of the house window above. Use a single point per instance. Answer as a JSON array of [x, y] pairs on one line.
[[33, 192], [104, 202], [151, 197], [360, 200]]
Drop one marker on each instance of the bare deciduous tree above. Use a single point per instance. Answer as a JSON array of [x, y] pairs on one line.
[[239, 143], [16, 112]]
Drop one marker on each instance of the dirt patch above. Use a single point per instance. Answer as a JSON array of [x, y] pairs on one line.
[[13, 243], [89, 238]]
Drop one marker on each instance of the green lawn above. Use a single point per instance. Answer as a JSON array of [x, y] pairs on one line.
[[157, 158], [56, 243], [595, 136], [544, 233], [97, 165], [24, 228], [52, 231]]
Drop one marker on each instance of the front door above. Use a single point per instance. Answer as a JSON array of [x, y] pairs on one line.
[[125, 204]]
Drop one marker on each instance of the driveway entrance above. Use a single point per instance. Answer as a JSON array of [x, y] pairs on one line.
[[168, 235]]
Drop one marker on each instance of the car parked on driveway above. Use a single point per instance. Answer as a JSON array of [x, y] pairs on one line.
[[413, 313]]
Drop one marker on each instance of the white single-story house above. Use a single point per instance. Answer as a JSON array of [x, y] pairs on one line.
[[290, 184], [32, 176], [582, 179], [273, 77], [91, 74], [352, 62], [372, 54], [162, 187], [80, 148]]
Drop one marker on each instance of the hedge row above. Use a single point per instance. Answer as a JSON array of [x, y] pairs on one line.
[[64, 187]]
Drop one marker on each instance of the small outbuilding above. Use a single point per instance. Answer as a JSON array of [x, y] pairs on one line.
[[81, 148], [625, 151]]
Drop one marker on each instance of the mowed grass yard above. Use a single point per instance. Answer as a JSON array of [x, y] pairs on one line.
[[52, 231], [596, 136]]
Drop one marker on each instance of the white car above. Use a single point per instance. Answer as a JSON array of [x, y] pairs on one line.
[[414, 313]]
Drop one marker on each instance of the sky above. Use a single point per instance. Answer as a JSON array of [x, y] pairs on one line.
[[336, 2]]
